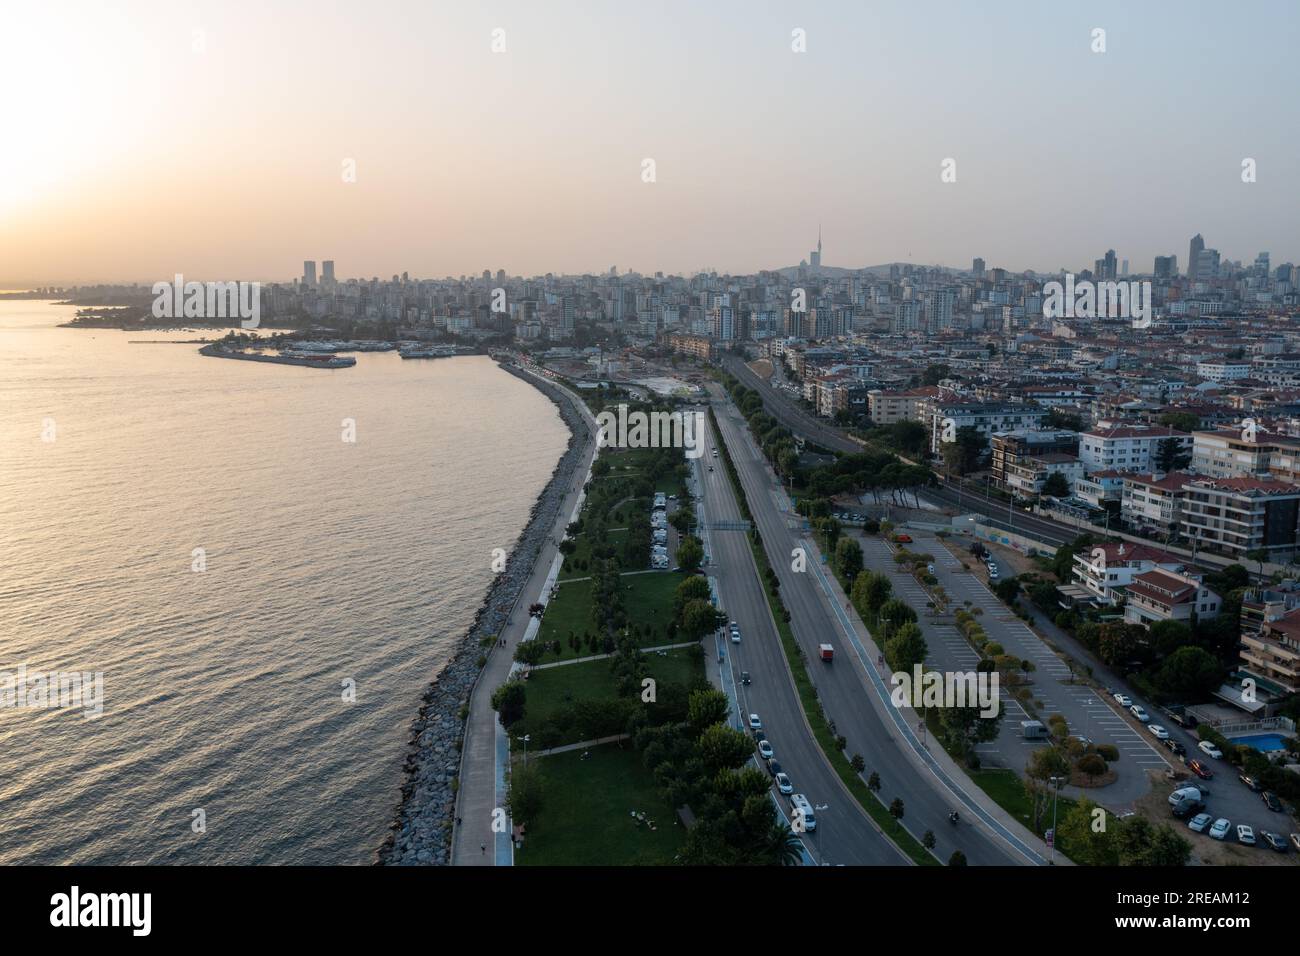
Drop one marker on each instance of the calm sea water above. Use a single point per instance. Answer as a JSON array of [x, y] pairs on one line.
[[326, 562]]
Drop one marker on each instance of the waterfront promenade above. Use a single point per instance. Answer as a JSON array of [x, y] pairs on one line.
[[485, 753]]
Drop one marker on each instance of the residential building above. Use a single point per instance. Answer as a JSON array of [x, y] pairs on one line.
[[1271, 656], [948, 418], [1107, 570], [1161, 595], [1012, 449], [1127, 447], [1234, 516], [1152, 503]]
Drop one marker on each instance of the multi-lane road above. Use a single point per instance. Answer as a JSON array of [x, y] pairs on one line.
[[852, 689], [844, 833]]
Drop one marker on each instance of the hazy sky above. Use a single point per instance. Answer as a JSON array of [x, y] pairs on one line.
[[135, 147]]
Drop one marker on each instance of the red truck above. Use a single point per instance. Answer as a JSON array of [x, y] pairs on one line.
[[826, 651]]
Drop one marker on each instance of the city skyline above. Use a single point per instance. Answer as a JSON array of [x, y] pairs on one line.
[[217, 142]]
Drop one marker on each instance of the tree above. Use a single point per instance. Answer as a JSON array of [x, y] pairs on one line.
[[962, 455], [1057, 485], [927, 840], [706, 708], [524, 796], [694, 588], [848, 558], [1171, 455], [958, 858], [1189, 672], [508, 701], [783, 845], [1094, 765], [1089, 845], [1258, 554], [896, 808], [1181, 421], [858, 764], [724, 748], [896, 612], [871, 590], [906, 648], [689, 554], [873, 782], [699, 617], [934, 374]]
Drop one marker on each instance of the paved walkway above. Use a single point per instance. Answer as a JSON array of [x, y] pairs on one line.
[[601, 657], [486, 751]]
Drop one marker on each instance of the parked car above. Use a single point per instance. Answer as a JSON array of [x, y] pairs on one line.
[[1295, 840], [929, 568], [744, 677], [1158, 732], [773, 767], [1123, 700], [784, 785], [1271, 801], [754, 722], [1083, 741], [1250, 782], [1198, 768], [765, 750], [1207, 747], [1273, 840], [1220, 829], [1245, 835], [1176, 747], [1198, 823], [902, 539], [1138, 711]]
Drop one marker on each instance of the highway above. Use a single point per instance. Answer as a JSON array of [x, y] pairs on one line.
[[844, 833], [850, 694]]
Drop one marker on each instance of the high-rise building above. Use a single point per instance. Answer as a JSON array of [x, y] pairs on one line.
[[327, 270], [309, 272], [977, 267], [1106, 267], [1194, 255], [1166, 267], [815, 257]]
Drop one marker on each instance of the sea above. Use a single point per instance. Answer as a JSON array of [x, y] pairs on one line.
[[262, 566]]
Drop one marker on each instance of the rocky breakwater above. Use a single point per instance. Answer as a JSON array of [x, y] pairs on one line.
[[421, 832]]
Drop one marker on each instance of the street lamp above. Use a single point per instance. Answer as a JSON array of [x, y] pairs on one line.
[[527, 737]]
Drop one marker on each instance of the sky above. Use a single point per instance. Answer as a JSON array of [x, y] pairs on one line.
[[144, 139]]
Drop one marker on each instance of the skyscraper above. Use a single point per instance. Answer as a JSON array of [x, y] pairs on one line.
[[309, 272], [327, 270], [1194, 255], [977, 267], [815, 257]]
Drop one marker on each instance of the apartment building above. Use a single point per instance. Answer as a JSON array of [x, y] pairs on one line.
[[1153, 503], [1107, 570], [887, 407], [1236, 515], [1100, 487], [1243, 452], [1271, 656], [700, 346], [947, 418], [1012, 451], [1161, 595], [1126, 447]]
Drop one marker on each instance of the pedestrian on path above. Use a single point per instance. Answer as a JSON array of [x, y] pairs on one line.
[[483, 847]]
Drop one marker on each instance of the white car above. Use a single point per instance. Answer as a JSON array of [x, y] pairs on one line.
[[1137, 711], [765, 750], [1245, 835], [754, 722], [735, 637], [1207, 747], [1158, 732], [1220, 829], [783, 783], [930, 568], [1198, 823], [1124, 700]]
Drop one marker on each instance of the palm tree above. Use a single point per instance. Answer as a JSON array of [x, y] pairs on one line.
[[783, 845]]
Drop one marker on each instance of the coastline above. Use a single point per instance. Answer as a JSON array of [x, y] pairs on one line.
[[420, 833]]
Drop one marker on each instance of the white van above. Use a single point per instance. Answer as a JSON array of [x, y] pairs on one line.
[[801, 809]]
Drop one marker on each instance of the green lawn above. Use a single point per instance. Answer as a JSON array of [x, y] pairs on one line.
[[586, 818], [578, 564], [553, 688], [1008, 792], [648, 599]]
